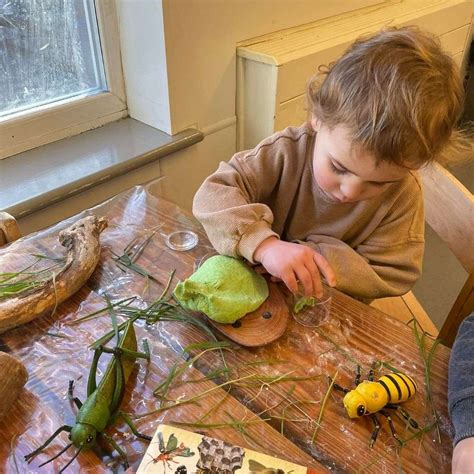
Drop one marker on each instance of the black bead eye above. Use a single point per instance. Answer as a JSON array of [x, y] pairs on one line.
[[90, 439], [360, 410]]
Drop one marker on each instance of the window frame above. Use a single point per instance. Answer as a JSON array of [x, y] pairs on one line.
[[55, 121]]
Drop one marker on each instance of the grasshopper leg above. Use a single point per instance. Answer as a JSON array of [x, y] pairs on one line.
[[132, 426], [92, 382], [119, 389], [146, 349], [117, 448], [138, 355], [70, 394], [31, 455]]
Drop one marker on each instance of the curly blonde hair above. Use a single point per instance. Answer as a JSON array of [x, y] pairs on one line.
[[399, 94]]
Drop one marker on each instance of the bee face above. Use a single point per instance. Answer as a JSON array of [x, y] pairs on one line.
[[355, 404]]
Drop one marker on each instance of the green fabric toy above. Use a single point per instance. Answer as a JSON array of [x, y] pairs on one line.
[[223, 288]]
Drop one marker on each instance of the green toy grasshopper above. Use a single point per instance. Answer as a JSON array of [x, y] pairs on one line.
[[102, 406]]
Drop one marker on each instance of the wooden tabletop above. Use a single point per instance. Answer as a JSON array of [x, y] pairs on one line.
[[297, 418]]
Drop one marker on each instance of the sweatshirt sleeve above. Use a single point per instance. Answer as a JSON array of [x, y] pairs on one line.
[[386, 263], [461, 381], [229, 207]]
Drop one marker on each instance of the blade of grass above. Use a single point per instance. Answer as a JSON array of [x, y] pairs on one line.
[[162, 389], [427, 359], [295, 404], [230, 424], [190, 400], [213, 408], [132, 251], [108, 336], [15, 283], [213, 374], [323, 406], [113, 317], [61, 336], [241, 424], [89, 316], [168, 284], [388, 366]]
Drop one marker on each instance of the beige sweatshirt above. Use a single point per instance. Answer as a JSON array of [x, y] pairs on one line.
[[375, 247]]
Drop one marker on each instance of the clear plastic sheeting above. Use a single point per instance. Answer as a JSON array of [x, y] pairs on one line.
[[278, 397]]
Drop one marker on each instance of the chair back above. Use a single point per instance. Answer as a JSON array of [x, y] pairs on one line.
[[449, 210]]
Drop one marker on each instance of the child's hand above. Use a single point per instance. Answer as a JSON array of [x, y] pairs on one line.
[[295, 262], [463, 456]]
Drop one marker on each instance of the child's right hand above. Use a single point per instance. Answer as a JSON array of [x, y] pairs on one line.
[[292, 262]]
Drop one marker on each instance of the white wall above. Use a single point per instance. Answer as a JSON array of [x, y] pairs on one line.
[[201, 37]]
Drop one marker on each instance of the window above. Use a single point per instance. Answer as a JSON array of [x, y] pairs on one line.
[[60, 69]]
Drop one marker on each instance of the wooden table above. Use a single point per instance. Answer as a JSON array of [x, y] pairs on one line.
[[55, 351]]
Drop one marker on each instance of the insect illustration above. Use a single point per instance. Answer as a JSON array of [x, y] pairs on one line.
[[370, 397], [170, 451], [102, 406]]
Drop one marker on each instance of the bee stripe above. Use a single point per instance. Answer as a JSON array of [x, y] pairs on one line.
[[397, 386], [415, 388], [384, 385], [410, 382], [404, 377]]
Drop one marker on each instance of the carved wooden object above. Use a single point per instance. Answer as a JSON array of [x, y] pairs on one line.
[[83, 253]]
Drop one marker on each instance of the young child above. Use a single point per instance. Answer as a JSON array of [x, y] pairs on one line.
[[338, 196]]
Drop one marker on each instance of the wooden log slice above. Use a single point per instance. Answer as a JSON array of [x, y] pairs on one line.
[[262, 326], [13, 376]]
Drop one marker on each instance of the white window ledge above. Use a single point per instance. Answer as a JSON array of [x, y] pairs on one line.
[[37, 178]]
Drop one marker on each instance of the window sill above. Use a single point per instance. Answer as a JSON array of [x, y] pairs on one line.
[[38, 178]]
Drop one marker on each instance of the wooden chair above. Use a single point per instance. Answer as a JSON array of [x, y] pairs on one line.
[[9, 230], [449, 210]]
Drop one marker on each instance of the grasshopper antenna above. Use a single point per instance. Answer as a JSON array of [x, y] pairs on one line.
[[57, 455], [72, 459], [29, 457]]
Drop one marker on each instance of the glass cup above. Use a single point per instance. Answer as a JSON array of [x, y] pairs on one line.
[[311, 312]]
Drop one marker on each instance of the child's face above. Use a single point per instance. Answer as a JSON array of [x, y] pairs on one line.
[[347, 173]]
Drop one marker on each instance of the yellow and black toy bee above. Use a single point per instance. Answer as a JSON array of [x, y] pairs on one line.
[[370, 397]]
